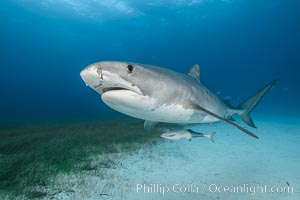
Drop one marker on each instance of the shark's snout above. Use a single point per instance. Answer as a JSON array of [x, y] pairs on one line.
[[90, 76]]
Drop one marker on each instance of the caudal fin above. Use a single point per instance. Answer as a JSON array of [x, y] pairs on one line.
[[249, 104], [210, 136]]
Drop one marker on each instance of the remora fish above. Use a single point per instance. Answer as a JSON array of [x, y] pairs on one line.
[[158, 94], [186, 134]]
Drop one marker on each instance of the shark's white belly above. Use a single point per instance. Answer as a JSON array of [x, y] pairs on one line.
[[144, 107]]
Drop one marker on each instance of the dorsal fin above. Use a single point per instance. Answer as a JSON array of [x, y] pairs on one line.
[[194, 72]]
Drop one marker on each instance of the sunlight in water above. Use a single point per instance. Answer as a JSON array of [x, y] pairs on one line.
[[101, 10]]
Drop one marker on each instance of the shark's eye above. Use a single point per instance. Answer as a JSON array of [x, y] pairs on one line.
[[129, 68]]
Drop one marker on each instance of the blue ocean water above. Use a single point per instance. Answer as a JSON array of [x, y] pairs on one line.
[[240, 46]]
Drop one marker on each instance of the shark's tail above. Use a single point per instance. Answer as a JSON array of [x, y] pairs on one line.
[[245, 108], [210, 136]]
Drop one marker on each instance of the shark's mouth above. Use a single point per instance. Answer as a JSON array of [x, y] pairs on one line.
[[113, 88]]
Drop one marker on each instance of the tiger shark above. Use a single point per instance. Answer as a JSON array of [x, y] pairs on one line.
[[157, 94]]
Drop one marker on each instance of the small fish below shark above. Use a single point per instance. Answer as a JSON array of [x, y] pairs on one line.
[[186, 134]]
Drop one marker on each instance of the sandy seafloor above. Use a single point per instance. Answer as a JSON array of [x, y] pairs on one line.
[[234, 159]]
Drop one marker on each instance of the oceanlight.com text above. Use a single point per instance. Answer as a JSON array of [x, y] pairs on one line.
[[211, 188], [249, 189]]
